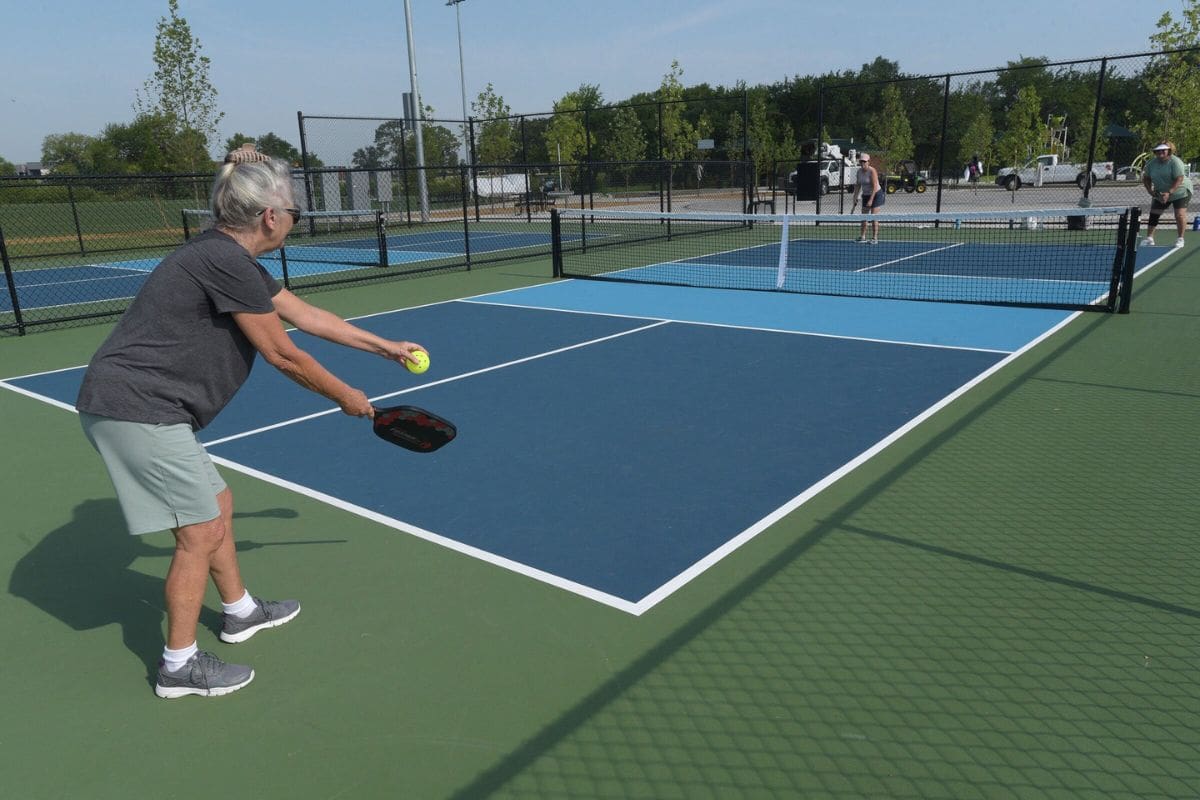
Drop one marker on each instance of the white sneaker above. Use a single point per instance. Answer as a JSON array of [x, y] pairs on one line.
[[1179, 242], [1148, 242], [861, 239], [874, 241]]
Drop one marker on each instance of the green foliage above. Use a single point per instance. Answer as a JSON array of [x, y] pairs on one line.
[[69, 153], [179, 90], [566, 135], [396, 147], [978, 139], [678, 135], [1173, 81], [496, 141], [890, 127], [7, 167], [1023, 128], [626, 141]]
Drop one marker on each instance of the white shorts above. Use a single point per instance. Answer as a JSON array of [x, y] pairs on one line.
[[162, 475]]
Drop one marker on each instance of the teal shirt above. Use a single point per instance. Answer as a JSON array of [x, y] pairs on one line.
[[1163, 173]]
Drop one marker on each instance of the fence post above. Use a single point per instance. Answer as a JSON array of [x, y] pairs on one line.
[[404, 173], [75, 216], [308, 195], [820, 133], [473, 183], [556, 243], [12, 286], [462, 188], [1091, 159], [942, 144]]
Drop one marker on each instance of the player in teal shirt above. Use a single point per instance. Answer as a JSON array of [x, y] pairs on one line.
[[1166, 179]]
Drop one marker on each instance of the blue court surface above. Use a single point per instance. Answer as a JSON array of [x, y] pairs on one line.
[[615, 439]]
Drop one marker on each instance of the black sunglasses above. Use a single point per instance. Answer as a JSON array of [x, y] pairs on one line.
[[295, 212]]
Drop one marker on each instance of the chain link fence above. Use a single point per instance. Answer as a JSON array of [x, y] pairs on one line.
[[1047, 134], [78, 249]]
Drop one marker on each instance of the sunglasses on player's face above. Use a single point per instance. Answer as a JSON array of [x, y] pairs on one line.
[[295, 212]]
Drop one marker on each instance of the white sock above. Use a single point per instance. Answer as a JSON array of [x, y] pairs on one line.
[[241, 608], [174, 660]]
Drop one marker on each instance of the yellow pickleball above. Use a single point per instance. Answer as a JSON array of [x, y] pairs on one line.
[[418, 362]]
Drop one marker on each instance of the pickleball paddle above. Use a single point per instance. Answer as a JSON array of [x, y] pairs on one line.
[[413, 428]]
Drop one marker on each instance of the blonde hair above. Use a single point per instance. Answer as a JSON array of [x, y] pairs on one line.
[[1168, 143], [242, 190]]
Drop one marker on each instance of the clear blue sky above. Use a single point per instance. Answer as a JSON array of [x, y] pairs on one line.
[[75, 65]]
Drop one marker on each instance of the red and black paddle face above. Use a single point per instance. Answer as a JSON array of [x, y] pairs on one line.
[[413, 428]]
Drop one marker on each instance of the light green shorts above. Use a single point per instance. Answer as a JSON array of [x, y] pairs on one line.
[[163, 477]]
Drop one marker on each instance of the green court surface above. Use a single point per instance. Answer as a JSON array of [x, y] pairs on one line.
[[1005, 603]]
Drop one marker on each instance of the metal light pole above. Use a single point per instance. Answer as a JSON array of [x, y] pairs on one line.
[[462, 77], [422, 186]]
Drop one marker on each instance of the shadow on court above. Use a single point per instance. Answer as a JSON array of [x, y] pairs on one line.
[[82, 574]]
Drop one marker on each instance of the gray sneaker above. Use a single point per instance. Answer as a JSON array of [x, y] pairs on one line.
[[268, 614], [204, 674]]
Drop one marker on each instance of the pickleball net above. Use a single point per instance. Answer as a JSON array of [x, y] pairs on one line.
[[1078, 258], [356, 238]]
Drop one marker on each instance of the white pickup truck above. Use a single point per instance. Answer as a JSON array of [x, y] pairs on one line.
[[1047, 169], [835, 171]]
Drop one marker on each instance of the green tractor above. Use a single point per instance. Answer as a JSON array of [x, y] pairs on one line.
[[908, 179]]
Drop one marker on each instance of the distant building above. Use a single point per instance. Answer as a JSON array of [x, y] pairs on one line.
[[32, 169]]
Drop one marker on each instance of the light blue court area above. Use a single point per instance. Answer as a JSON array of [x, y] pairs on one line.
[[615, 440], [1001, 329]]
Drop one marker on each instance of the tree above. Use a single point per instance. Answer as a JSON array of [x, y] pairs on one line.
[[1023, 128], [1173, 80], [891, 128], [566, 136], [180, 89], [69, 153], [496, 137], [763, 148], [978, 140], [7, 167], [678, 135], [626, 142]]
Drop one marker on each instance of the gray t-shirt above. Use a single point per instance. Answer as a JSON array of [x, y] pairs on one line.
[[177, 355]]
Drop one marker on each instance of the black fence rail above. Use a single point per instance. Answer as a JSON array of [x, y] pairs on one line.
[[77, 249]]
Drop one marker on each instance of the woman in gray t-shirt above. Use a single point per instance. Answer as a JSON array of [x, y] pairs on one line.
[[173, 361]]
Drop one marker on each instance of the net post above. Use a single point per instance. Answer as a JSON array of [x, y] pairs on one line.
[[381, 235], [1130, 260], [1118, 265], [187, 232], [556, 243], [12, 286]]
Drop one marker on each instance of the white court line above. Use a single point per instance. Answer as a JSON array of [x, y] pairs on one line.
[[451, 544], [424, 386], [694, 571], [914, 255], [788, 331]]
